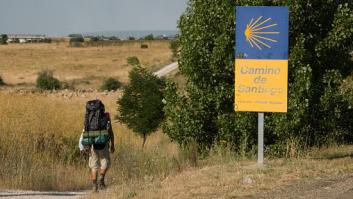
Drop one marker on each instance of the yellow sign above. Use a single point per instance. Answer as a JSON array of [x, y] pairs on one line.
[[261, 64], [261, 85]]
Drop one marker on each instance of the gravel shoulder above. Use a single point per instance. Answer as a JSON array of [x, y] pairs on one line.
[[326, 188]]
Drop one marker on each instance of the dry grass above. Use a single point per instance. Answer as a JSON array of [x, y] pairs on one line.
[[226, 179], [20, 64], [32, 159], [39, 136]]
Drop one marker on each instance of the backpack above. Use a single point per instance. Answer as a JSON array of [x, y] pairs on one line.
[[95, 124]]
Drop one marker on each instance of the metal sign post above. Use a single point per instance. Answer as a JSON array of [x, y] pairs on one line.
[[260, 150]]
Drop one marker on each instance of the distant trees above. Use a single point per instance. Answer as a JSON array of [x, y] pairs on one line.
[[75, 35], [114, 38], [149, 37], [3, 39], [141, 106], [95, 39], [174, 48], [76, 40]]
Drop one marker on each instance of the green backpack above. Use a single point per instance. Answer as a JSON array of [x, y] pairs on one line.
[[96, 124]]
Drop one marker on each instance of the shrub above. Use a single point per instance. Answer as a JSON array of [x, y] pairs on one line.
[[133, 61], [111, 84], [141, 106], [144, 46], [46, 81], [2, 83], [77, 39]]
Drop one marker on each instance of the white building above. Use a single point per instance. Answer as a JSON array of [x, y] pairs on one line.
[[22, 38]]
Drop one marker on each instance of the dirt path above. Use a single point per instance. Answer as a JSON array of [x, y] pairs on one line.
[[16, 194], [325, 188]]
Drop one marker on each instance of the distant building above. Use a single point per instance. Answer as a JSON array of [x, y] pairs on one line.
[[22, 38]]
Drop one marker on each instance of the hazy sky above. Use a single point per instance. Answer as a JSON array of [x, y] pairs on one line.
[[61, 17]]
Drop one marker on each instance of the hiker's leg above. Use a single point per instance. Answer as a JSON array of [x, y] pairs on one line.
[[94, 173], [102, 173], [105, 164], [93, 163]]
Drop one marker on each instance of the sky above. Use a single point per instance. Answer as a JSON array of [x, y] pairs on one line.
[[62, 17]]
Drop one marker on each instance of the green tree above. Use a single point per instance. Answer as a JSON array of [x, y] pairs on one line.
[[321, 33], [141, 106]]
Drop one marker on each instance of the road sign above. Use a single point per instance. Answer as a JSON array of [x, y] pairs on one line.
[[261, 65]]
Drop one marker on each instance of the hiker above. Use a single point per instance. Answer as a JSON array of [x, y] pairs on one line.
[[95, 139]]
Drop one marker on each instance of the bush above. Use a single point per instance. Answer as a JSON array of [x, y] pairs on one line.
[[144, 46], [317, 112], [46, 81], [77, 39], [111, 84], [2, 83], [141, 106], [133, 61]]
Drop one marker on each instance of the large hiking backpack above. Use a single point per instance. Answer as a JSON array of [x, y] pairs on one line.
[[95, 124]]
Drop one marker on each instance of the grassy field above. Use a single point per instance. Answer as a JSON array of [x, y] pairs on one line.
[[39, 150], [40, 132], [85, 66]]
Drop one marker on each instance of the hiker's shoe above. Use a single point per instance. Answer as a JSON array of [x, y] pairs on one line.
[[101, 185], [95, 188]]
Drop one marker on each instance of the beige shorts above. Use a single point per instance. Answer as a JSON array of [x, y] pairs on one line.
[[99, 158]]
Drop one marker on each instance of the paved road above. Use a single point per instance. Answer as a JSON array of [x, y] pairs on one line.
[[16, 194], [166, 69]]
